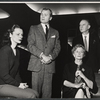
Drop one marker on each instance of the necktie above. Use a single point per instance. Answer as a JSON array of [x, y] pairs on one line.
[[85, 42], [46, 35]]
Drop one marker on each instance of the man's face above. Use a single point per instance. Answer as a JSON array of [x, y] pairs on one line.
[[45, 16], [84, 26]]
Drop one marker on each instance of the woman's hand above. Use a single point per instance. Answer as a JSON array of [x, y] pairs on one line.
[[79, 73], [83, 85], [23, 85], [78, 85], [87, 81]]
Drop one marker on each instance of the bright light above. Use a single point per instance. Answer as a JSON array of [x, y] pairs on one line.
[[3, 14], [34, 7], [66, 12], [66, 8], [87, 10]]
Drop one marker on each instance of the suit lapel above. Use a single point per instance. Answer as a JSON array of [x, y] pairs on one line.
[[81, 40], [50, 33], [91, 39], [40, 28]]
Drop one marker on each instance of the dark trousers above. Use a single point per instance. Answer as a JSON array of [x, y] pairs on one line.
[[12, 91]]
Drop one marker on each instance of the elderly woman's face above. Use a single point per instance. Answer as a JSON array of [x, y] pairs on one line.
[[17, 35], [78, 53]]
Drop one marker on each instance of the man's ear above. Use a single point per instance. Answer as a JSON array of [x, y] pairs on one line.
[[50, 18], [89, 26]]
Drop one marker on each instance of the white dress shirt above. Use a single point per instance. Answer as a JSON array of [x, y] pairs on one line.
[[87, 39]]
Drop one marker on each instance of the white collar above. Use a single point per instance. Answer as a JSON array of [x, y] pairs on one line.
[[44, 28], [43, 25], [85, 34]]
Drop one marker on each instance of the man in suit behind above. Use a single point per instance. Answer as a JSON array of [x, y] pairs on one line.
[[44, 51], [92, 44]]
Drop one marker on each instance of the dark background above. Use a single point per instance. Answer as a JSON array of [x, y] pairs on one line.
[[67, 25]]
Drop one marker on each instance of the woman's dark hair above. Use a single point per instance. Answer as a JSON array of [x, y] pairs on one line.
[[6, 36]]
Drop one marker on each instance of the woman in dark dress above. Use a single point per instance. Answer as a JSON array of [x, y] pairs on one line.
[[10, 81], [79, 79]]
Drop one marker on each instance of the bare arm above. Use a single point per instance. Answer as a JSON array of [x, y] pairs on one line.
[[73, 85], [88, 82]]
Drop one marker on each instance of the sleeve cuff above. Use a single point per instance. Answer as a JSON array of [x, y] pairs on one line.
[[41, 55], [50, 57]]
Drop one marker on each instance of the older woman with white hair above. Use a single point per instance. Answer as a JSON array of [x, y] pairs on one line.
[[78, 79]]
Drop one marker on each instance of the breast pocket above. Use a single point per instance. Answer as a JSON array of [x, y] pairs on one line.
[[52, 41], [50, 46]]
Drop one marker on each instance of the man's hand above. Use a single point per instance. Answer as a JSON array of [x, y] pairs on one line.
[[46, 59]]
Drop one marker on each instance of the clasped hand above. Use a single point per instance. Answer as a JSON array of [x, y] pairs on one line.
[[23, 85], [79, 73], [46, 59], [80, 85]]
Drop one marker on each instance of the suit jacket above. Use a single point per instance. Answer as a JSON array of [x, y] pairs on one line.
[[92, 58], [37, 43]]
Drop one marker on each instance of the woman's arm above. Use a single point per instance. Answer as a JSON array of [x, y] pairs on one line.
[[88, 82], [73, 85]]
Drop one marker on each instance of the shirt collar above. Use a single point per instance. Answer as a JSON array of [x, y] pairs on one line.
[[85, 34], [43, 25]]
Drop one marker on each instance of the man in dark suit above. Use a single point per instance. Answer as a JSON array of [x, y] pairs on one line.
[[92, 44], [44, 51]]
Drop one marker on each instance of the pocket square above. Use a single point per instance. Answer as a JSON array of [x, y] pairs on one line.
[[53, 36]]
